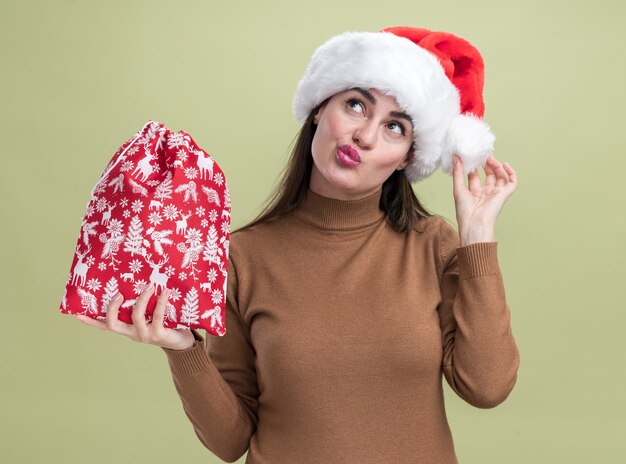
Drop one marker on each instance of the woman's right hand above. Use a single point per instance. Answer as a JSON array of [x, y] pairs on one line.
[[140, 331]]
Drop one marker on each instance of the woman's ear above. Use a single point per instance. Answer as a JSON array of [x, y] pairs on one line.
[[319, 111], [407, 159]]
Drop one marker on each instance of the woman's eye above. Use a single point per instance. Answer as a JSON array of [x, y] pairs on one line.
[[355, 105], [397, 128]]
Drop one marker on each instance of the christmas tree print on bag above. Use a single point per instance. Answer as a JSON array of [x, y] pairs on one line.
[[159, 213]]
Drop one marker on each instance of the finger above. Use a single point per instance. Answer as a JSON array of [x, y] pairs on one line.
[[490, 174], [512, 174], [501, 175], [158, 331], [474, 182], [457, 176], [112, 321], [92, 322], [139, 312]]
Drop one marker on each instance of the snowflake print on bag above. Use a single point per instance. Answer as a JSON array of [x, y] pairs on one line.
[[219, 179], [160, 213], [139, 286], [216, 296], [170, 212], [135, 266], [154, 219], [174, 294], [137, 206], [182, 156], [127, 166], [94, 284], [191, 173], [101, 205]]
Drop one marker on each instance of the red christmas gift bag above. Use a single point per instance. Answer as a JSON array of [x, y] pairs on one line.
[[159, 213]]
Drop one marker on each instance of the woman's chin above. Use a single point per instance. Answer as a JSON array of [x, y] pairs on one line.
[[339, 182]]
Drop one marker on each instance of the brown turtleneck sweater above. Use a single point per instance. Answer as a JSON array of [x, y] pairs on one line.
[[338, 333]]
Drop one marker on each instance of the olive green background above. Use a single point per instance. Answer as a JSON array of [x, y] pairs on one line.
[[78, 78]]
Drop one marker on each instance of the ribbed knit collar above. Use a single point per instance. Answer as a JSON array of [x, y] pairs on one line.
[[332, 214]]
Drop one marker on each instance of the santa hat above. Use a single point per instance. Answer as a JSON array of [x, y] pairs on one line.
[[435, 77]]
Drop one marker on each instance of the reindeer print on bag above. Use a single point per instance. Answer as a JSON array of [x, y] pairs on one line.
[[160, 213]]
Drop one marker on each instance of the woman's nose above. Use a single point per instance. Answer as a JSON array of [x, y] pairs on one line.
[[364, 135]]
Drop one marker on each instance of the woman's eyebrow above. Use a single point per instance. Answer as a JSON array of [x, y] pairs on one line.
[[399, 114], [372, 99], [368, 95]]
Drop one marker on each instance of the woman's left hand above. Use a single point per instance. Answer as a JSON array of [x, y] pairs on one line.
[[478, 207]]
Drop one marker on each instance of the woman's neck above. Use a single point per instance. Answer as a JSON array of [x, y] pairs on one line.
[[336, 214]]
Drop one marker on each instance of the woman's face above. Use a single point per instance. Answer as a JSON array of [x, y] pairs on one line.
[[361, 138]]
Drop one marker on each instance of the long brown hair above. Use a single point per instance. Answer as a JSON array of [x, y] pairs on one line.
[[398, 200]]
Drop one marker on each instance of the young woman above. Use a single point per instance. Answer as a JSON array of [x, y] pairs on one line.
[[348, 302]]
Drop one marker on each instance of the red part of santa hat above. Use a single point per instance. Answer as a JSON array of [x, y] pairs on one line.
[[460, 60]]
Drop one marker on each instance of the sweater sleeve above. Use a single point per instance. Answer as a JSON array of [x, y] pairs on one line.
[[217, 384], [480, 356]]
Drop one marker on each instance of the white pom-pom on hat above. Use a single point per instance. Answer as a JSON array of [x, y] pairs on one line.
[[471, 139]]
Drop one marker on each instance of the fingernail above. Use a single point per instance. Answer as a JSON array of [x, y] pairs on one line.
[[118, 296]]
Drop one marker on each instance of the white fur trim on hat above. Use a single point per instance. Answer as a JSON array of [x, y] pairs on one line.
[[396, 66]]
